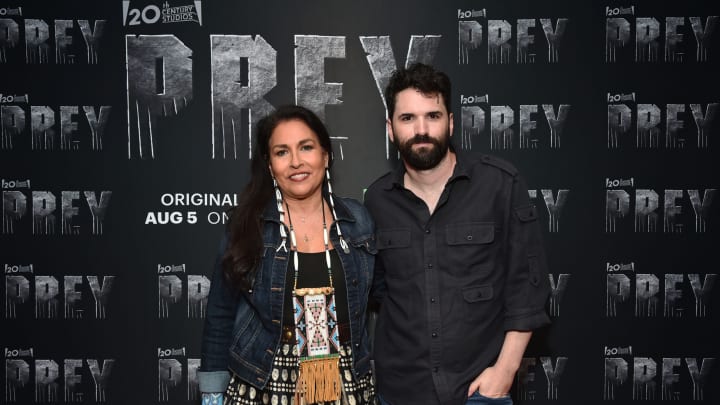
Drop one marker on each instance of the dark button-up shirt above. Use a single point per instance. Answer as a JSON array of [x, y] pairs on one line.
[[452, 283]]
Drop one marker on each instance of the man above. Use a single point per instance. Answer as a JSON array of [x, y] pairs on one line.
[[460, 272]]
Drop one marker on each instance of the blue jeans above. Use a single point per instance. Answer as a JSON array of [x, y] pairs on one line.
[[475, 399]]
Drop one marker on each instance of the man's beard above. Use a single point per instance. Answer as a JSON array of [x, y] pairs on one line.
[[427, 157]]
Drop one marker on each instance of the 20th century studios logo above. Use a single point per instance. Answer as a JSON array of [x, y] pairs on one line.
[[152, 14]]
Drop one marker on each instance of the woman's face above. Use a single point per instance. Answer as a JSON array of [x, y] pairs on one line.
[[297, 160]]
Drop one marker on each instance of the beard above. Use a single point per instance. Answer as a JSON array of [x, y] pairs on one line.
[[427, 157]]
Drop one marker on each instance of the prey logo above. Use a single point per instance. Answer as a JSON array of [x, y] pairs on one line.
[[552, 369], [650, 375], [152, 14], [171, 365], [14, 184], [68, 40], [649, 293], [651, 34], [75, 379], [174, 285], [244, 71], [49, 129], [14, 98], [513, 127], [47, 291], [44, 207], [472, 24], [670, 126], [649, 208]]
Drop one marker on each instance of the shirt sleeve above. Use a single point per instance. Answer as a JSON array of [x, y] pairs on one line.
[[527, 285], [213, 375]]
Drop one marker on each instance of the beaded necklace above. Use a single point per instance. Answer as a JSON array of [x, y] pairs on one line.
[[316, 327], [294, 248]]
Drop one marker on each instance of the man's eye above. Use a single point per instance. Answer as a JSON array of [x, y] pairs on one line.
[[434, 116], [405, 118]]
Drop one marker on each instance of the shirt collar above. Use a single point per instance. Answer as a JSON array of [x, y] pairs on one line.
[[397, 176]]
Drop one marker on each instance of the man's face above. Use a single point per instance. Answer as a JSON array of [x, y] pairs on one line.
[[420, 128]]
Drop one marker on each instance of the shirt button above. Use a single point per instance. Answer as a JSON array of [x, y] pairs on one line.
[[354, 282], [432, 299], [429, 265], [434, 334], [469, 237], [435, 369], [427, 231]]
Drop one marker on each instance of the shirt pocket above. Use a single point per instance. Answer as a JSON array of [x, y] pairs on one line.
[[475, 300], [470, 246], [393, 246]]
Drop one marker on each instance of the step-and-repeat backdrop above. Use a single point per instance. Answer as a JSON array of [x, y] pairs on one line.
[[126, 128]]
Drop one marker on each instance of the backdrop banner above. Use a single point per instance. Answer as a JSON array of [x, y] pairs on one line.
[[126, 129]]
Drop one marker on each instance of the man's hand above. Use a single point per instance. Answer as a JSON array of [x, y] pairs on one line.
[[493, 382]]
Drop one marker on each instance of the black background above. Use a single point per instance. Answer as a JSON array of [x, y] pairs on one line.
[[131, 250]]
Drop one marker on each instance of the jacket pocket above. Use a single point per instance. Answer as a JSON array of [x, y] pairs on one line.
[[245, 331], [367, 245]]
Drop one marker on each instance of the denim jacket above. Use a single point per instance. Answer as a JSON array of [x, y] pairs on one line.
[[242, 331]]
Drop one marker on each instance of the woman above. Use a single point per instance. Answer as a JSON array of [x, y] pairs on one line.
[[286, 310]]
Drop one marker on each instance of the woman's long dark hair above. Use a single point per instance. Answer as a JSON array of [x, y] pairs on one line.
[[245, 244]]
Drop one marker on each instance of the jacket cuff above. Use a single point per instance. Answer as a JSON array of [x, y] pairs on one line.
[[213, 381], [527, 321]]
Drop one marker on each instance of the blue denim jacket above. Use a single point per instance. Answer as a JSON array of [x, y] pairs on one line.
[[242, 331]]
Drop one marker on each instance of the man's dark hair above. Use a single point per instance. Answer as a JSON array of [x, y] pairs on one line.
[[417, 76]]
